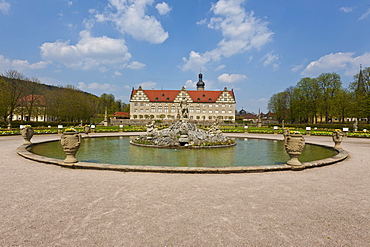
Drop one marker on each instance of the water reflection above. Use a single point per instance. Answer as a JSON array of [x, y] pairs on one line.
[[247, 152]]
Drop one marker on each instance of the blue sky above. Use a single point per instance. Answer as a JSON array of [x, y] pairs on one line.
[[256, 47]]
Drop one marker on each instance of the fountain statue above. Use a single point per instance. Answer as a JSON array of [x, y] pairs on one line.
[[183, 134]]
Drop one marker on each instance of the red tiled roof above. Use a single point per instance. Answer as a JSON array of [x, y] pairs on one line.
[[204, 96], [162, 95], [121, 114], [37, 99], [170, 95], [249, 116]]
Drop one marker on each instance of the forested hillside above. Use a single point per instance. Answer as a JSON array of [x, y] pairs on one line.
[[59, 103]]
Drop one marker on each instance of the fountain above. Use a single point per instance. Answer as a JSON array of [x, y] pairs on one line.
[[183, 134], [183, 147]]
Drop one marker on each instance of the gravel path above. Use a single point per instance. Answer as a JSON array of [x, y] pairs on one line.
[[45, 205]]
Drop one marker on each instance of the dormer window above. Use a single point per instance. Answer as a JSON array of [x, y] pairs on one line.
[[162, 94], [209, 99], [156, 98], [167, 99], [198, 99], [203, 95]]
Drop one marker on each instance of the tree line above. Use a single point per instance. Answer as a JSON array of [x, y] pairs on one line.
[[28, 97], [323, 99]]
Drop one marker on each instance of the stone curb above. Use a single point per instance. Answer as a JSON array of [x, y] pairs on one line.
[[22, 151]]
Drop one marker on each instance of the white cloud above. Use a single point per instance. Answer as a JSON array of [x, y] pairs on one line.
[[346, 9], [136, 65], [365, 15], [89, 53], [240, 29], [189, 84], [96, 86], [270, 58], [195, 62], [117, 73], [69, 3], [336, 62], [4, 7], [226, 78], [220, 67], [20, 65], [130, 17], [163, 8], [146, 85], [296, 68]]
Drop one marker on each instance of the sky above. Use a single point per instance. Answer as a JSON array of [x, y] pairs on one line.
[[255, 47]]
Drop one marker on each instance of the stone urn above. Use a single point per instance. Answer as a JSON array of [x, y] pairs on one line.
[[86, 130], [337, 139], [294, 146], [70, 142], [27, 133]]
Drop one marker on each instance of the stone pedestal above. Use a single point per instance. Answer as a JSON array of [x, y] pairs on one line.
[[183, 140], [70, 142]]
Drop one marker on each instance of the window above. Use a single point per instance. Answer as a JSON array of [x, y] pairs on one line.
[[152, 108], [230, 105], [198, 110], [146, 104], [135, 104], [210, 106], [146, 110], [216, 111], [210, 112], [204, 111], [210, 117], [216, 105], [166, 109], [223, 111], [141, 104], [230, 112], [191, 109], [141, 110], [159, 108], [173, 109]]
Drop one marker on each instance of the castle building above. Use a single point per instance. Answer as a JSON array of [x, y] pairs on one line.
[[165, 104]]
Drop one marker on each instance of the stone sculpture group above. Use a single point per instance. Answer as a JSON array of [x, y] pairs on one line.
[[183, 133]]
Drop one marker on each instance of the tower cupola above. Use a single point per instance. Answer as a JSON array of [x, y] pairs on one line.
[[200, 83]]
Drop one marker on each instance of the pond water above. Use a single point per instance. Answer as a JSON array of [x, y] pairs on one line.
[[118, 150]]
